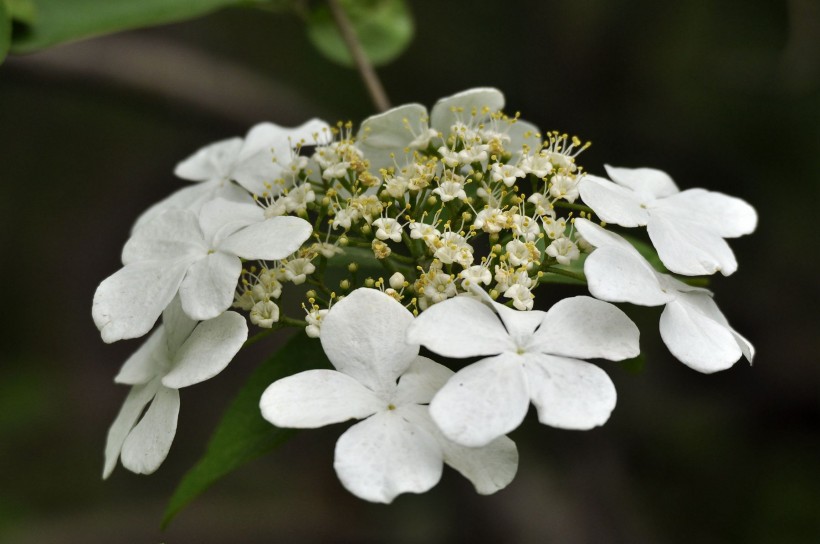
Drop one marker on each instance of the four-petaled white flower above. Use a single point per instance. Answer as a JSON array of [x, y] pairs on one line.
[[687, 227], [199, 257], [691, 325], [178, 354], [396, 448], [255, 162], [535, 357]]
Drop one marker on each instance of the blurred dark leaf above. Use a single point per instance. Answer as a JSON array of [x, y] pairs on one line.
[[56, 21], [243, 435], [21, 10], [5, 31], [384, 28]]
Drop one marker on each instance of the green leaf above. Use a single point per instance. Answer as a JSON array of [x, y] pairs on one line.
[[59, 21], [5, 30], [21, 10], [384, 29], [243, 435]]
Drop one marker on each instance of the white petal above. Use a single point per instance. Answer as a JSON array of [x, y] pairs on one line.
[[363, 335], [568, 393], [272, 239], [182, 199], [177, 326], [489, 468], [619, 275], [193, 197], [460, 327], [442, 116], [148, 443], [209, 286], [143, 365], [268, 147], [600, 237], [135, 402], [384, 456], [172, 235], [316, 398], [421, 382], [695, 339], [519, 324], [482, 401], [211, 162], [688, 249], [521, 133], [207, 351], [648, 181], [220, 218], [726, 216], [385, 133], [613, 203], [583, 327], [128, 303]]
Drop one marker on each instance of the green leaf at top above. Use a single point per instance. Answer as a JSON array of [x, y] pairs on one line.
[[5, 30], [57, 21], [243, 435], [384, 29]]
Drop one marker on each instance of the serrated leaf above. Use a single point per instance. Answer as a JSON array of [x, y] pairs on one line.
[[58, 21], [383, 27], [243, 435]]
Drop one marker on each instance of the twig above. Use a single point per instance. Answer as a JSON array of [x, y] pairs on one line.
[[366, 71]]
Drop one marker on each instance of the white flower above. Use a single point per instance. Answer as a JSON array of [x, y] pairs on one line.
[[454, 248], [423, 231], [687, 228], [178, 354], [692, 326], [409, 127], [506, 173], [297, 270], [255, 162], [314, 320], [535, 357], [538, 165], [522, 298], [396, 448], [199, 257], [267, 155], [565, 187], [388, 228], [450, 190], [563, 250], [264, 314]]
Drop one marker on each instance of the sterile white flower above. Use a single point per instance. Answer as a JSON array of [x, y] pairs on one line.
[[396, 448], [255, 162], [691, 325], [178, 354], [535, 357], [409, 127], [687, 228], [197, 256]]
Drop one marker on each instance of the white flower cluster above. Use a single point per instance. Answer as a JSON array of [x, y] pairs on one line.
[[467, 210]]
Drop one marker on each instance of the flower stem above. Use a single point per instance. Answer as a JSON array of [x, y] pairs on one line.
[[366, 70], [577, 207]]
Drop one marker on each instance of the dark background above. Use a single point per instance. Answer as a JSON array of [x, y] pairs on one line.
[[723, 95]]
